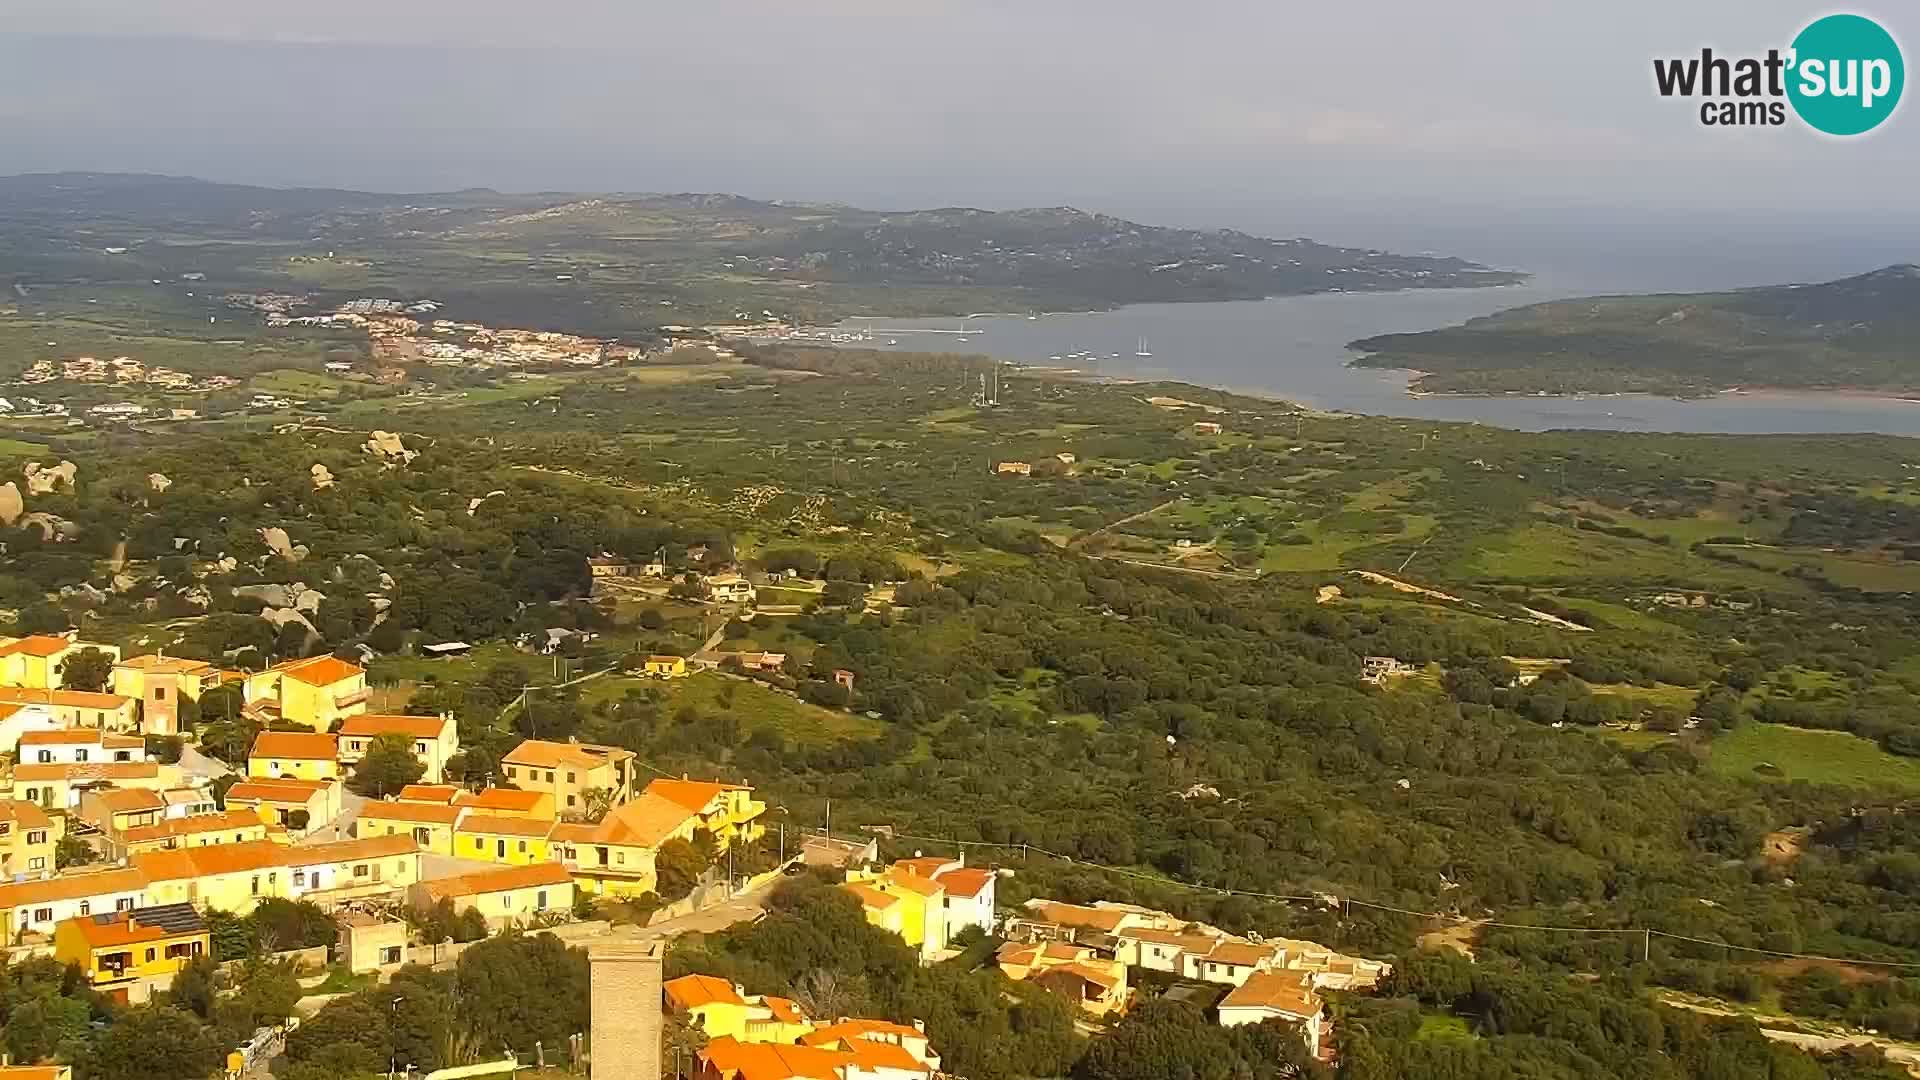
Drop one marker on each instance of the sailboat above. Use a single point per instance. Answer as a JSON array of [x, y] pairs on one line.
[[1141, 350]]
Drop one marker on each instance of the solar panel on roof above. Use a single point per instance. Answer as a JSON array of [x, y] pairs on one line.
[[173, 918]]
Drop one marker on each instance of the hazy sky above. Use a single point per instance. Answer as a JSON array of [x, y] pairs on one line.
[[1263, 112]]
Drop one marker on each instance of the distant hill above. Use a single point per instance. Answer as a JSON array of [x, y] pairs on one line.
[[614, 261], [1857, 333]]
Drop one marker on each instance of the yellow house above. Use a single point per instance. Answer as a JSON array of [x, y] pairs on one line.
[[1097, 984], [435, 739], [379, 866], [616, 856], [504, 897], [231, 877], [235, 826], [60, 787], [36, 662], [516, 841], [295, 755], [434, 793], [902, 901], [27, 839], [114, 949], [666, 667], [728, 811], [431, 826], [568, 770], [114, 810], [313, 692], [78, 708], [158, 682], [277, 802], [718, 1008], [508, 802]]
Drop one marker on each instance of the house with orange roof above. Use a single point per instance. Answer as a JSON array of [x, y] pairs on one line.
[[299, 806], [616, 856], [234, 826], [78, 708], [430, 825], [728, 1058], [36, 662], [36, 1072], [728, 811], [721, 1010], [568, 770], [36, 906], [502, 838], [1278, 995], [434, 739], [117, 949], [906, 903], [313, 692], [294, 755], [159, 683], [434, 793], [507, 896], [508, 802], [231, 877], [969, 891], [61, 787], [849, 1033], [28, 838], [376, 867], [73, 746], [1097, 984]]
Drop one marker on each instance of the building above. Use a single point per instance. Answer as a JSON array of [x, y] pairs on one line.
[[501, 838], [435, 739], [615, 857], [297, 805], [236, 876], [60, 787], [313, 692], [1278, 995], [372, 944], [568, 770], [666, 667], [294, 755], [1014, 468], [1097, 984], [1206, 427], [728, 811], [731, 589], [720, 1010], [509, 802], [17, 720], [969, 892], [78, 708], [904, 902], [159, 682], [609, 566], [379, 867], [38, 661], [37, 906], [74, 746], [509, 896], [36, 1072], [623, 1009], [27, 839], [117, 949], [443, 794], [855, 1034], [429, 825], [114, 810], [235, 826]]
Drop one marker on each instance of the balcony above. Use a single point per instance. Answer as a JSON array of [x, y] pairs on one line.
[[347, 701]]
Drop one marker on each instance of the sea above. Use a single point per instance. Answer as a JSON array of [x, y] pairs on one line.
[[1295, 348]]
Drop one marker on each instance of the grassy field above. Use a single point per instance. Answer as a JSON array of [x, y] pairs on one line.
[[1680, 697], [757, 707], [1850, 571], [1820, 757], [1443, 1026], [10, 447]]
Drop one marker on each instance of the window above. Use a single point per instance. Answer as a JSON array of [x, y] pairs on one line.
[[80, 754], [44, 914], [46, 756], [37, 863], [523, 847], [299, 879], [390, 954], [499, 849], [422, 835], [419, 748], [510, 773], [86, 908], [540, 900], [256, 884], [570, 776], [479, 843], [150, 955], [37, 836], [620, 857], [159, 693], [400, 867], [360, 870], [549, 776], [125, 904], [569, 800]]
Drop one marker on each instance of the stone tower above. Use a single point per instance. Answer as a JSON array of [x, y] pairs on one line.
[[624, 1035]]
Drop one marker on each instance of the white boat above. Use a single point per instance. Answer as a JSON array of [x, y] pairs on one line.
[[1141, 350]]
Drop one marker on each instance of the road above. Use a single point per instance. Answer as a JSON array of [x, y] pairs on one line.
[[1128, 520], [1905, 1054]]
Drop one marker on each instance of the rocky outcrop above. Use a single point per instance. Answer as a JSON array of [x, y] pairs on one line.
[[474, 504], [46, 481], [282, 545], [387, 446], [158, 481], [51, 527], [11, 504], [322, 476]]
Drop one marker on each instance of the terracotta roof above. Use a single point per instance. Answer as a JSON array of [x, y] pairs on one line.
[[905, 878], [1106, 919], [1243, 953], [785, 1010], [71, 887], [1286, 992], [860, 1028], [966, 881], [341, 851], [928, 867], [433, 793], [574, 832], [130, 800], [35, 1072], [504, 825], [511, 799], [772, 1061], [871, 897], [1194, 943], [1060, 950], [41, 645], [1105, 979], [646, 822], [695, 795], [195, 862], [24, 814], [276, 789], [165, 665], [143, 924], [418, 727], [870, 1055], [422, 812], [659, 659], [193, 825], [539, 753], [530, 876], [63, 737], [693, 991], [295, 745], [319, 670], [88, 771], [72, 699]]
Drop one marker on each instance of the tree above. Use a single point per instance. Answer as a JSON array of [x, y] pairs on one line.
[[298, 820], [73, 851], [595, 802], [677, 868], [155, 1042], [293, 924], [88, 670], [652, 619], [492, 981], [165, 748], [388, 766], [45, 1025], [224, 702], [193, 986]]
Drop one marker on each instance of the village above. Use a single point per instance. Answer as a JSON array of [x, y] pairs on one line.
[[117, 854]]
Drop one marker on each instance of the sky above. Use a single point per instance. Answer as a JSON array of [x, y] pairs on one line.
[[1403, 118]]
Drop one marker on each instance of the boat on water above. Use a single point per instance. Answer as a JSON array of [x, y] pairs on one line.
[[1141, 349]]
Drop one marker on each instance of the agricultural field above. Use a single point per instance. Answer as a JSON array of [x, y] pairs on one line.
[[1772, 752]]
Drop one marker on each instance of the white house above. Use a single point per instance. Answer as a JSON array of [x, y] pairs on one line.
[[17, 720], [1278, 995], [731, 589], [79, 746], [969, 892], [37, 905]]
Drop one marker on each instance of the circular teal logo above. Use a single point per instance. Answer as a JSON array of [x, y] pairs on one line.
[[1847, 75]]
